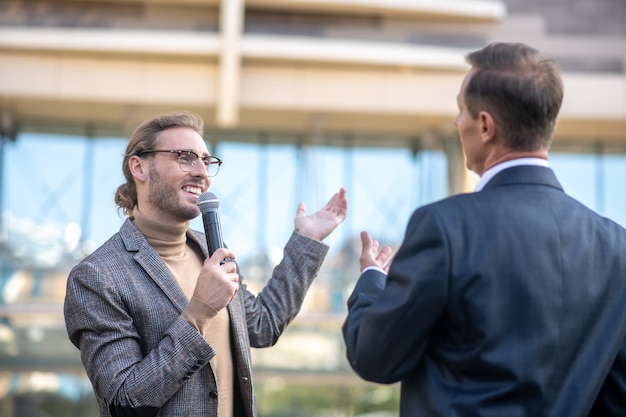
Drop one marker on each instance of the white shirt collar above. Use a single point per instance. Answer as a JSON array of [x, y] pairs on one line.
[[491, 172]]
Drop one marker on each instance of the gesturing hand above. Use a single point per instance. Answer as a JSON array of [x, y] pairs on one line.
[[371, 256], [321, 223], [218, 282]]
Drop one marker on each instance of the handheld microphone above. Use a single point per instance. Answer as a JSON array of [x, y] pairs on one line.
[[208, 205]]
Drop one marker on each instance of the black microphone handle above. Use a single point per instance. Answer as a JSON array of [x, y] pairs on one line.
[[212, 230]]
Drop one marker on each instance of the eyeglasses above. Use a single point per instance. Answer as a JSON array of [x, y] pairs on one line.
[[187, 160]]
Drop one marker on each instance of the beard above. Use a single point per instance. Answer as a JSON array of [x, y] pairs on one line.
[[165, 198]]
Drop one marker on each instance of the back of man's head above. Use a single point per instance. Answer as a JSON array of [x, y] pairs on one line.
[[520, 88]]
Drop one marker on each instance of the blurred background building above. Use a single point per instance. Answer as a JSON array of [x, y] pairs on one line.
[[299, 97]]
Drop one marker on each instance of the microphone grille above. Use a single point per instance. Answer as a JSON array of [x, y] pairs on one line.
[[208, 201]]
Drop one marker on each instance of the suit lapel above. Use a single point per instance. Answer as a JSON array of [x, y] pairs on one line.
[[241, 351], [239, 332], [151, 262]]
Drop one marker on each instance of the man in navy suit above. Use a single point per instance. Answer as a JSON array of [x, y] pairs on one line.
[[509, 301]]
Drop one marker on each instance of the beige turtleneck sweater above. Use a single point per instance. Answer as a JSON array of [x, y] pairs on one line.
[[184, 260]]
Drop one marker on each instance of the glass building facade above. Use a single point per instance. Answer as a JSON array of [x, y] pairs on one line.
[[298, 100], [58, 206]]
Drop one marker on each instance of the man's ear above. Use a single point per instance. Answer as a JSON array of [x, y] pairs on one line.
[[138, 168], [487, 126]]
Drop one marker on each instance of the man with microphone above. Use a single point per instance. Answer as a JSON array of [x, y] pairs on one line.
[[163, 328]]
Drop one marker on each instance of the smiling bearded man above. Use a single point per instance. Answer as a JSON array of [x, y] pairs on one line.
[[163, 328]]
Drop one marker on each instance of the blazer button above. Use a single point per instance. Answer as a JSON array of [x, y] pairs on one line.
[[213, 394]]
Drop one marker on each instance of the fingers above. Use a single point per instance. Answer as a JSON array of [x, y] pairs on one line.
[[301, 211], [388, 262], [223, 261], [221, 256], [338, 204], [218, 282], [366, 241], [384, 255], [235, 282], [372, 254], [233, 277]]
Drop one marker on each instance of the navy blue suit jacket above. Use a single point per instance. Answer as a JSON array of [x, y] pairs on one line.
[[508, 302]]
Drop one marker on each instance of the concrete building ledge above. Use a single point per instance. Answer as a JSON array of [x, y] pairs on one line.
[[493, 10], [267, 47]]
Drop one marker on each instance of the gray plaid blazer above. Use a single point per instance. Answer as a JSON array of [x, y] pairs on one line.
[[122, 310]]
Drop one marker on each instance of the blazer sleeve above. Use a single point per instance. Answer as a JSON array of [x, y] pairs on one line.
[[269, 312], [131, 378], [389, 320], [611, 399]]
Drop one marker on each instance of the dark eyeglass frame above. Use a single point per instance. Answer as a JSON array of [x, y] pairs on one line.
[[208, 161]]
